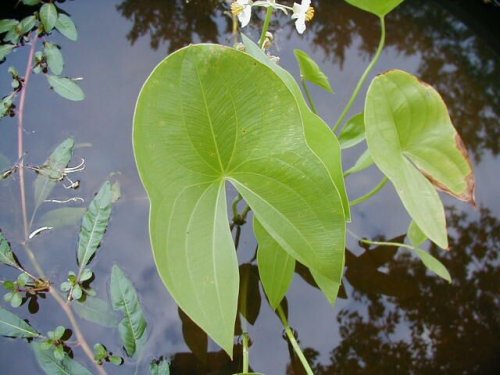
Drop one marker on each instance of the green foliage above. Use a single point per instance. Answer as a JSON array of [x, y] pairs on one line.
[[263, 154], [420, 147], [12, 326], [133, 326], [66, 87], [433, 264], [415, 234], [364, 161], [101, 355], [5, 49], [62, 217], [66, 27], [310, 70], [54, 57], [98, 311], [353, 132], [378, 7], [159, 367], [48, 16], [54, 366], [6, 254]]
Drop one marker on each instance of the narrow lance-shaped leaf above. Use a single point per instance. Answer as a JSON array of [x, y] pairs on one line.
[[12, 326], [6, 255], [66, 27], [415, 234], [378, 7], [94, 224], [412, 140], [53, 366], [54, 57], [210, 114], [124, 298], [353, 132], [66, 87], [433, 264], [310, 70], [52, 171], [48, 16], [276, 266]]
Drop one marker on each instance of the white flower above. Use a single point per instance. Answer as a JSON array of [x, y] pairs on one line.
[[242, 9], [272, 4], [301, 13]]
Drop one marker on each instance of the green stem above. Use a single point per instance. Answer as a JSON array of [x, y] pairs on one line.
[[309, 97], [267, 21], [246, 354], [294, 342], [380, 243], [364, 76], [367, 196]]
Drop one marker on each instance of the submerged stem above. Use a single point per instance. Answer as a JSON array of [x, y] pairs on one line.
[[294, 342], [246, 354], [265, 27], [370, 194], [363, 77]]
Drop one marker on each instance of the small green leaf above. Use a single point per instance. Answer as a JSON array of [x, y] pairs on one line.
[[12, 326], [5, 49], [365, 161], [27, 24], [276, 266], [86, 275], [59, 353], [66, 87], [94, 224], [54, 57], [6, 254], [310, 70], [100, 352], [415, 235], [77, 292], [7, 25], [96, 310], [31, 2], [62, 217], [160, 367], [433, 264], [419, 148], [378, 7], [114, 359], [66, 27], [353, 132], [13, 36], [48, 16], [132, 328], [52, 366], [65, 286], [59, 332]]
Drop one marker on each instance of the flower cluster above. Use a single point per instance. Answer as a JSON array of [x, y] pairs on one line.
[[300, 12]]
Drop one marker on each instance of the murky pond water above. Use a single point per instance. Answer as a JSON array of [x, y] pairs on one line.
[[395, 318]]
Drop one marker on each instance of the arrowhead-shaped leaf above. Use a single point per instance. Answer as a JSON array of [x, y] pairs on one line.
[[378, 7], [210, 114], [12, 326], [412, 140]]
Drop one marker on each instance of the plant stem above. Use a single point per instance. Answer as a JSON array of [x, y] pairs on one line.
[[308, 95], [370, 194], [246, 354], [265, 27], [294, 342], [363, 76], [380, 243]]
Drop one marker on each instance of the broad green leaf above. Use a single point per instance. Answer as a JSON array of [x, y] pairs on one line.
[[124, 298], [365, 161], [53, 366], [210, 114], [319, 137], [413, 142], [160, 367], [276, 267], [7, 24], [66, 87], [66, 27], [6, 254], [310, 70], [5, 49], [27, 24], [62, 217], [415, 235], [433, 264], [48, 16], [353, 132], [52, 171], [55, 59], [96, 310], [330, 288], [12, 326], [378, 7], [94, 224]]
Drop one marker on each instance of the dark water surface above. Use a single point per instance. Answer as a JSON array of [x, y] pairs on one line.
[[395, 318]]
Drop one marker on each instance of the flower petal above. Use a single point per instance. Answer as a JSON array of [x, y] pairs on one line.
[[300, 24], [245, 16]]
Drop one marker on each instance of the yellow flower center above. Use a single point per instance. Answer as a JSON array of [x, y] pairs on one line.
[[309, 13], [237, 9]]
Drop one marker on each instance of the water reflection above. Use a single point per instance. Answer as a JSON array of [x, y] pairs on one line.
[[452, 57]]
